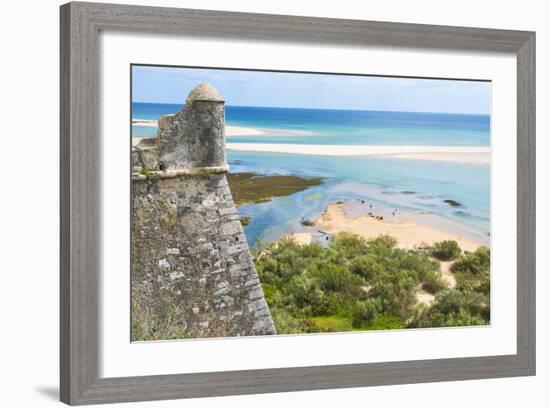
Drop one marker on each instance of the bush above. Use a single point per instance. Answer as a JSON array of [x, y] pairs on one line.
[[472, 272], [397, 294], [474, 263], [349, 245], [287, 322], [433, 283], [336, 278], [367, 285], [383, 241], [455, 307], [364, 313], [446, 250]]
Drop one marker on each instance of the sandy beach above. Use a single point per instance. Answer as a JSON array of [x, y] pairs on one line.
[[408, 233], [460, 154]]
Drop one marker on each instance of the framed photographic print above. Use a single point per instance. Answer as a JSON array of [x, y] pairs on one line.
[[260, 203]]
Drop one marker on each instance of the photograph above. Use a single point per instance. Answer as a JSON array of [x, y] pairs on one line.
[[298, 203]]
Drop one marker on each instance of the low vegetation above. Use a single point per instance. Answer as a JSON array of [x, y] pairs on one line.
[[446, 250], [166, 323], [360, 285], [249, 188], [244, 221]]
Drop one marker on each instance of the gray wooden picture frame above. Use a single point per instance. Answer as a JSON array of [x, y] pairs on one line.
[[80, 237]]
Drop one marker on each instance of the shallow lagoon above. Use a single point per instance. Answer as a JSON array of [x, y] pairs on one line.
[[410, 185], [383, 182]]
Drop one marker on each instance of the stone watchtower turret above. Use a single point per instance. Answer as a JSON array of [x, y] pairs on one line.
[[192, 272]]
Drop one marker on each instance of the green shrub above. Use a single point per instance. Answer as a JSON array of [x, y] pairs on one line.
[[455, 307], [367, 285], [349, 245], [366, 267], [446, 250], [364, 313], [472, 272], [475, 263], [335, 278], [397, 293], [287, 322], [383, 242], [433, 282]]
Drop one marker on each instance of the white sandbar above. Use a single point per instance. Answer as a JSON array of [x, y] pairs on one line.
[[462, 154]]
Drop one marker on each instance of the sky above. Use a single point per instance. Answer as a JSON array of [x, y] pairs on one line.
[[320, 91]]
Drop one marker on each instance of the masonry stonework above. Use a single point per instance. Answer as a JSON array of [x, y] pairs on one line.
[[190, 257]]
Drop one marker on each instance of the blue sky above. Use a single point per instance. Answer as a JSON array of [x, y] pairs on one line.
[[273, 89]]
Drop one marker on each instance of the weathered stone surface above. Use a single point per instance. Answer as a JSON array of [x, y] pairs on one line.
[[189, 253], [145, 155], [195, 136], [203, 92]]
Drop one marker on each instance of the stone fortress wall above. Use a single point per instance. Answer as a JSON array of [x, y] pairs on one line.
[[190, 259]]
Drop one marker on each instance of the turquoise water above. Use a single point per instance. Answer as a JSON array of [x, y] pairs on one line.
[[415, 185], [327, 126]]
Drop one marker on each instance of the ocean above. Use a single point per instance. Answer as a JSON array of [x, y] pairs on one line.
[[419, 186]]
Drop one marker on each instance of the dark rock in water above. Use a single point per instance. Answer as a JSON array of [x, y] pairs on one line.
[[408, 192], [462, 214], [389, 192], [453, 203], [307, 223]]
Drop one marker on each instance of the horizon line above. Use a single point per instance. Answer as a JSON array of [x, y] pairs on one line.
[[337, 109]]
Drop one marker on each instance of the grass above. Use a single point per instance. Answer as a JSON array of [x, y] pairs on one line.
[[166, 324], [332, 323], [386, 322]]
